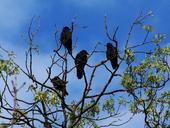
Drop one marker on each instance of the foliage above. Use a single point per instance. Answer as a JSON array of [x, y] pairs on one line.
[[142, 87]]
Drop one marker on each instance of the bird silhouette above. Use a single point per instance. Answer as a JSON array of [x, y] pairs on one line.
[[59, 85], [66, 39], [112, 55], [80, 62]]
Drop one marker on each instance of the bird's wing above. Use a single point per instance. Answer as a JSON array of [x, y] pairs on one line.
[[111, 53], [78, 59]]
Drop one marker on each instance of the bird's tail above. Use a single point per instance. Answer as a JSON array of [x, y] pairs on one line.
[[114, 64], [65, 92], [69, 46], [70, 52], [79, 74]]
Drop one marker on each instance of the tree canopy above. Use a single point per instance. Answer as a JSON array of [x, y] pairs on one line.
[[137, 83]]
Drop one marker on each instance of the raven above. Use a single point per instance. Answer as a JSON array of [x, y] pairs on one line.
[[112, 55], [59, 85], [80, 62], [66, 39]]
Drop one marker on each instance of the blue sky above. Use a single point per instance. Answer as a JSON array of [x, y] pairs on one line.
[[15, 16]]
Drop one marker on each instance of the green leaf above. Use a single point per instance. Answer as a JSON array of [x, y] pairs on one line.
[[158, 38], [148, 28]]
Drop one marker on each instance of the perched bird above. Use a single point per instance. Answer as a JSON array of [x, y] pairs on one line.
[[59, 85], [80, 62], [112, 55], [66, 39]]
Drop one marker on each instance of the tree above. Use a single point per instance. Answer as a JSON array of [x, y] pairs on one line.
[[142, 88]]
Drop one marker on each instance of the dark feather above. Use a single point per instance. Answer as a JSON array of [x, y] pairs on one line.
[[66, 39], [59, 85], [112, 55], [80, 62]]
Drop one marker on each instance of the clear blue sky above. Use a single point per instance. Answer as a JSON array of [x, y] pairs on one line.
[[15, 16]]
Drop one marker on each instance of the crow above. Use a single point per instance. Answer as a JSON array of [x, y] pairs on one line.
[[59, 85], [66, 39], [80, 62], [112, 55]]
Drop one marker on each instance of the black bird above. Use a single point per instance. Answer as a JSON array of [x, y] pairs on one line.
[[59, 85], [66, 39], [80, 62], [112, 55]]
